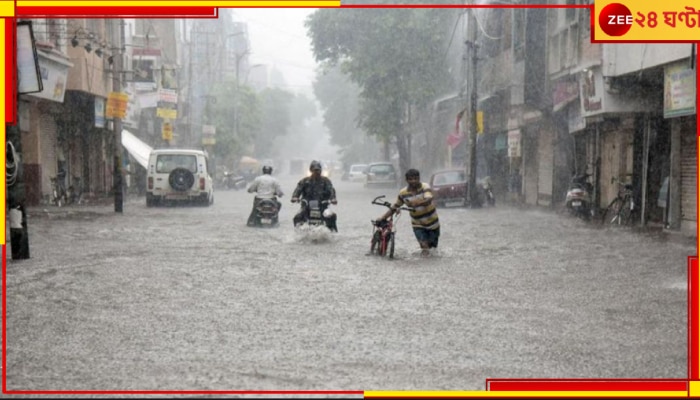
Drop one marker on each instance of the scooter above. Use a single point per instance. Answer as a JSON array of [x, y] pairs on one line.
[[266, 213], [578, 196], [229, 180]]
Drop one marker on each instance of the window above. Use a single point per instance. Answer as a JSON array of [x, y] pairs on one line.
[[143, 70], [448, 178], [166, 163], [382, 169]]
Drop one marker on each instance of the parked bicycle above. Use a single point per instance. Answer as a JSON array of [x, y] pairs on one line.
[[621, 209], [75, 191], [384, 232], [58, 191]]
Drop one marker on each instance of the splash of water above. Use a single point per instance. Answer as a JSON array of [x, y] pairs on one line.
[[313, 234]]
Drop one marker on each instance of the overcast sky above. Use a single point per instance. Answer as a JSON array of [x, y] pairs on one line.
[[278, 38]]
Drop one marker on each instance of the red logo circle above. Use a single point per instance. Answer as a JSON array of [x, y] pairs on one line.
[[615, 19]]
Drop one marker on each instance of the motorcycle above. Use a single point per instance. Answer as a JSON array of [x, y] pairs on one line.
[[317, 213], [578, 196], [266, 213], [229, 180]]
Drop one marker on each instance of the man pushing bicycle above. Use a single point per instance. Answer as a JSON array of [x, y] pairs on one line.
[[424, 218]]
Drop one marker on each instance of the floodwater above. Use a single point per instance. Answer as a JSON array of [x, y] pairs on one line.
[[189, 298]]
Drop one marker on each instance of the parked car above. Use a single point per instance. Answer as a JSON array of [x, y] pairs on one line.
[[179, 175], [356, 173], [381, 174], [449, 187]]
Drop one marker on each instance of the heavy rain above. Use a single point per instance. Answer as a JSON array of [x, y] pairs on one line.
[[144, 254]]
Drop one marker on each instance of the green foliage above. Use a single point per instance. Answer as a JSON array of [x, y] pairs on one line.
[[234, 102], [339, 98], [276, 119], [395, 56]]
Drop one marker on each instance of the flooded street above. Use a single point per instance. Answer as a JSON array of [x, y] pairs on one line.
[[189, 298]]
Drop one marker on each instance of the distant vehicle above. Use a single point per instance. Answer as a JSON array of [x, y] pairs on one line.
[[449, 187], [356, 173], [326, 170], [180, 175], [381, 174]]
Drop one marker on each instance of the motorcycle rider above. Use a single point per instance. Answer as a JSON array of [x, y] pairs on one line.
[[315, 187], [265, 186]]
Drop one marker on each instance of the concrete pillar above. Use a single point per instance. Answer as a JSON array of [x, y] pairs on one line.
[[674, 182]]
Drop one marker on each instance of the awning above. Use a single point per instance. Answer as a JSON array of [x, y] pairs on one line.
[[138, 149], [245, 160]]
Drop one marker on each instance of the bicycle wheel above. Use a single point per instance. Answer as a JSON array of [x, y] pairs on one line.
[[611, 216], [625, 214], [382, 245], [391, 245], [374, 245], [58, 199]]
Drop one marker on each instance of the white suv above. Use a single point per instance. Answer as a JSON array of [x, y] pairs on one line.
[[179, 175]]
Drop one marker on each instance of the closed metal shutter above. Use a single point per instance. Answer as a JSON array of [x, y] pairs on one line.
[[545, 172], [47, 152], [689, 166]]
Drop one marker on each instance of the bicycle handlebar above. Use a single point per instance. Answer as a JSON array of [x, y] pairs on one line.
[[388, 205]]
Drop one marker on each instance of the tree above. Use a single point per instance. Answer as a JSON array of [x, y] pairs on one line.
[[339, 97], [276, 119], [232, 143], [395, 56]]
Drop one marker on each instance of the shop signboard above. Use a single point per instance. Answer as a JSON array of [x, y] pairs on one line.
[[679, 90]]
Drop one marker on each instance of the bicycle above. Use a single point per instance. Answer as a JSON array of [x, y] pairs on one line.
[[620, 210], [384, 231], [75, 191], [58, 192]]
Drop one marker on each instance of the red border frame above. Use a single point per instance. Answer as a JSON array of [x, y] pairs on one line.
[[608, 385]]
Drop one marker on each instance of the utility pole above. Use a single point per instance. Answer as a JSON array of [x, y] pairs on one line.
[[117, 87], [471, 143]]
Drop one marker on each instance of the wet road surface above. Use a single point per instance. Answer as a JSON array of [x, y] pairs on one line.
[[189, 298]]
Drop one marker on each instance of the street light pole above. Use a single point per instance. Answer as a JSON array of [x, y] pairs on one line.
[[117, 87], [472, 46]]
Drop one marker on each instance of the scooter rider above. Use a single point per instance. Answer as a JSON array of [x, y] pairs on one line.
[[315, 187], [265, 186]]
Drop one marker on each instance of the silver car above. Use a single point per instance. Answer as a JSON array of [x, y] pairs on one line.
[[381, 174], [356, 173]]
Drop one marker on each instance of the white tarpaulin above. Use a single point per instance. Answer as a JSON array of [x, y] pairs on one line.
[[138, 149]]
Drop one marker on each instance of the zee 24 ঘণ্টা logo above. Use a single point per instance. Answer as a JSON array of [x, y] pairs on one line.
[[616, 19]]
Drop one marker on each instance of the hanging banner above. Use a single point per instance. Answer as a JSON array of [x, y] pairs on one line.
[[208, 135], [116, 105], [167, 129], [167, 96], [28, 73], [99, 112], [166, 113], [514, 143]]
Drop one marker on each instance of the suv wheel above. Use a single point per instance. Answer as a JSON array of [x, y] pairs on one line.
[[181, 179]]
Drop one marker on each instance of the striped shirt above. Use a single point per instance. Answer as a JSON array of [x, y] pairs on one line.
[[424, 216]]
